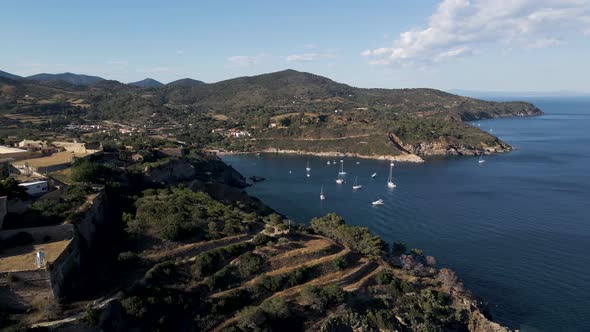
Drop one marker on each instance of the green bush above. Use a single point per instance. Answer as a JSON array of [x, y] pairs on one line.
[[250, 264], [319, 298], [179, 213], [210, 261], [357, 238]]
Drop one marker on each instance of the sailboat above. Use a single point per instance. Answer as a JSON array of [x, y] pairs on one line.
[[374, 175], [308, 168], [378, 202], [342, 172], [481, 160], [356, 186], [322, 197], [390, 183]]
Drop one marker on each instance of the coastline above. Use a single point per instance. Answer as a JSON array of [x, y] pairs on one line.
[[409, 158]]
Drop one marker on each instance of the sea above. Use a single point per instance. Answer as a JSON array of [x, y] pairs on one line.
[[515, 228]]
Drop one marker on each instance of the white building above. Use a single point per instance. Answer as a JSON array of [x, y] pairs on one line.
[[35, 188]]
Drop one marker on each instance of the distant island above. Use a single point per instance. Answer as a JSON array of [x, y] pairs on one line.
[[286, 111]]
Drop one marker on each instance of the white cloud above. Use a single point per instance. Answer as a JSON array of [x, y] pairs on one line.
[[245, 60], [306, 57], [459, 27]]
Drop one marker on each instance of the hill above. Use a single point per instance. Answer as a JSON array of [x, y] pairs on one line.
[[286, 111], [9, 75], [290, 90], [147, 83], [186, 82], [76, 79]]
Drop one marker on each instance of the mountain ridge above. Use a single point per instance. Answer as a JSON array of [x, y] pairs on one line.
[[147, 83], [72, 78]]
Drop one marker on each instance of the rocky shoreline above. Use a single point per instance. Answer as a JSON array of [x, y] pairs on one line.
[[409, 158]]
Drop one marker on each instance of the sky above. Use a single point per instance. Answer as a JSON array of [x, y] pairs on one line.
[[486, 45]]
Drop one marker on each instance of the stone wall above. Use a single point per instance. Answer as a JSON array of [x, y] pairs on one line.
[[42, 234], [56, 279]]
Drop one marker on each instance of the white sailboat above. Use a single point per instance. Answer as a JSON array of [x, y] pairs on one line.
[[378, 202], [322, 197], [307, 168], [342, 172], [390, 183], [481, 160], [356, 186], [374, 175]]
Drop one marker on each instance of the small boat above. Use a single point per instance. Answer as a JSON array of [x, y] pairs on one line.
[[342, 172], [322, 197], [356, 186], [290, 172], [328, 162], [340, 180], [308, 175], [390, 183], [307, 168], [481, 160], [358, 162], [378, 202], [374, 175]]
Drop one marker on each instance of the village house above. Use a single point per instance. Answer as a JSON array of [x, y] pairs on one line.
[[32, 145], [36, 188], [238, 133], [8, 152]]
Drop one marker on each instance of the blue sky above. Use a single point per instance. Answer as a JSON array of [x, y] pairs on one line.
[[497, 45]]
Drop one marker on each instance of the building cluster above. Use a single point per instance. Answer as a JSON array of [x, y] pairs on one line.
[[232, 132]]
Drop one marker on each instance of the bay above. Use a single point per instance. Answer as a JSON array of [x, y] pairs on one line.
[[515, 228]]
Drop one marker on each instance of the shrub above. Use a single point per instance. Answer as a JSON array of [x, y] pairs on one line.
[[318, 298], [210, 261], [261, 239], [91, 316], [275, 308], [250, 263], [357, 238], [251, 319], [134, 306], [384, 277], [339, 263]]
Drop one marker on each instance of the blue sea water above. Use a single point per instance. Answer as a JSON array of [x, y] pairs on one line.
[[516, 228]]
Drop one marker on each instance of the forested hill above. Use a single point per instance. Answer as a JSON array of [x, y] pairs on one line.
[[278, 92], [299, 91], [286, 110]]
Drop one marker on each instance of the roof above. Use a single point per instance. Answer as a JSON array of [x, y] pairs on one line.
[[6, 149], [26, 184]]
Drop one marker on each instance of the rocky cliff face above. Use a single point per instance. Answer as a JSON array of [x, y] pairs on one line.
[[444, 147], [179, 170], [498, 110]]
